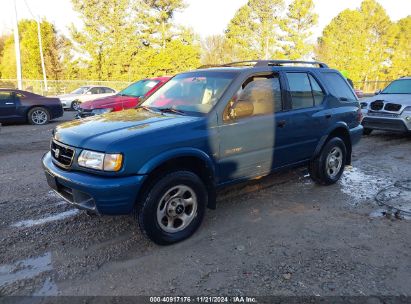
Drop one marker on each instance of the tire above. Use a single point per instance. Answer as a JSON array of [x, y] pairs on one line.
[[176, 195], [334, 153], [38, 116], [74, 105], [366, 131]]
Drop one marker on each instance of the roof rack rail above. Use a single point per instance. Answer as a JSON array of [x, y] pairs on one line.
[[260, 63]]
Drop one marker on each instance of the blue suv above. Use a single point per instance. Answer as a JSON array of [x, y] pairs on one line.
[[203, 130]]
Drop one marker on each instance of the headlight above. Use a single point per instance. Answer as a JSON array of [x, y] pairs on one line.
[[101, 111], [407, 109], [100, 161]]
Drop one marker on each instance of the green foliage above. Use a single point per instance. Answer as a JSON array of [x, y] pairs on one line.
[[253, 31], [401, 50], [216, 50], [30, 52], [155, 19], [366, 43], [131, 39], [297, 27]]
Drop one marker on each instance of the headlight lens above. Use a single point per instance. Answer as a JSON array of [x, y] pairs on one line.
[[100, 161], [101, 111], [407, 109]]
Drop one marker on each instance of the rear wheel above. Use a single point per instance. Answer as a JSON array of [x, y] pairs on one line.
[[38, 116], [328, 166], [173, 208], [367, 131]]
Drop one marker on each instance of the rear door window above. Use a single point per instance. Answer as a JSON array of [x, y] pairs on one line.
[[4, 95], [339, 86], [300, 90], [318, 93]]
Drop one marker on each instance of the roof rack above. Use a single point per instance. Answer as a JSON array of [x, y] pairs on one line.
[[261, 63]]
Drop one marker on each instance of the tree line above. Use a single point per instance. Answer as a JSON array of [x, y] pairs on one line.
[[132, 39]]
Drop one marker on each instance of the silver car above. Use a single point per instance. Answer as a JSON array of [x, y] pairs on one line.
[[390, 109], [74, 99]]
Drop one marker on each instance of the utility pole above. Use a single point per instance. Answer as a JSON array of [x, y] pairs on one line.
[[17, 49], [41, 55]]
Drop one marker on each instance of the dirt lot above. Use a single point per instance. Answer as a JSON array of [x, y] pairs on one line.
[[281, 235]]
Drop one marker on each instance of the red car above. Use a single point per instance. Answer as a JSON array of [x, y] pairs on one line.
[[128, 98]]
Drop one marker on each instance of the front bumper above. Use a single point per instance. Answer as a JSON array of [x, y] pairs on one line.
[[104, 195], [398, 123]]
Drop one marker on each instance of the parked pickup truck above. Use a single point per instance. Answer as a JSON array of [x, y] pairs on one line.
[[203, 130]]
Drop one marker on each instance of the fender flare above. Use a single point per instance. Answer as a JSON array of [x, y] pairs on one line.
[[160, 159], [324, 138]]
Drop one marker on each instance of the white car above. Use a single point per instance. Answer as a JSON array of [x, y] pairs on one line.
[[85, 93], [389, 109]]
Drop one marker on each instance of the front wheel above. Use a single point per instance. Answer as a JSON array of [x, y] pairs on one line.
[[173, 208], [38, 116], [75, 105], [328, 166]]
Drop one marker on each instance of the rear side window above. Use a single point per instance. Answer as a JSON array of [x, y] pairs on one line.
[[305, 90], [339, 86], [318, 93]]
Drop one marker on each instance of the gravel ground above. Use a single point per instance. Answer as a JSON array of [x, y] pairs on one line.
[[281, 235]]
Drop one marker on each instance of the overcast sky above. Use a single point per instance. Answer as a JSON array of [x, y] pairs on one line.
[[206, 17]]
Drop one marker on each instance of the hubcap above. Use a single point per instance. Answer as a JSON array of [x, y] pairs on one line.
[[334, 162], [39, 117], [75, 105], [177, 208]]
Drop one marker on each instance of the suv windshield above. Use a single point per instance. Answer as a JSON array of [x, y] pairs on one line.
[[81, 90], [139, 88], [402, 86], [191, 92]]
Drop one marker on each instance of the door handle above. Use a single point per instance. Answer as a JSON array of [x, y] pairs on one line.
[[9, 103], [281, 123], [328, 116]]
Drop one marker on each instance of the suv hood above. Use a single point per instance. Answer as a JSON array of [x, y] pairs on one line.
[[107, 102], [99, 132], [404, 99]]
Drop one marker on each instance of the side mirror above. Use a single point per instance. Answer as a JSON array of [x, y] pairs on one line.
[[242, 109], [377, 92]]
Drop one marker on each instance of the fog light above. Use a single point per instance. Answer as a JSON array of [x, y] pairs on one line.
[[408, 118]]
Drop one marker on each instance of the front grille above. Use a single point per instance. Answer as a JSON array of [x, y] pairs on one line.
[[62, 154], [377, 105], [393, 107]]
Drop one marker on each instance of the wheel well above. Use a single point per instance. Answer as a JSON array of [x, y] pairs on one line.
[[345, 136], [186, 163], [35, 106]]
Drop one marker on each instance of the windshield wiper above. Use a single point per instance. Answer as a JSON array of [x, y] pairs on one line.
[[147, 109], [171, 110]]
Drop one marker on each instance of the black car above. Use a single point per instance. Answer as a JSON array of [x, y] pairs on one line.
[[22, 106]]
